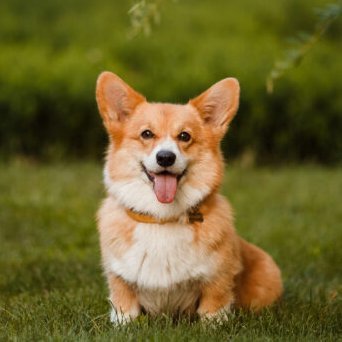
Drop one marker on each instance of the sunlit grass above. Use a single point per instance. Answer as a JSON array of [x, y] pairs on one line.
[[51, 283]]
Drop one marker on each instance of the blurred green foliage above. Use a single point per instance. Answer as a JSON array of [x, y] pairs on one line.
[[303, 42], [51, 53]]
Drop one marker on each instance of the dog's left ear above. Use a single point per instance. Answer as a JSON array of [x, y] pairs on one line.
[[219, 104]]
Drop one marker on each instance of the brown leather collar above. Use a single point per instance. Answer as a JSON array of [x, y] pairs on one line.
[[193, 215]]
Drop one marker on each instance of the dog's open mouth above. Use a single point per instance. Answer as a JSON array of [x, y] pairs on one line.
[[164, 184]]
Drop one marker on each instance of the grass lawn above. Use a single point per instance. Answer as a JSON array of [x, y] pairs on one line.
[[52, 288]]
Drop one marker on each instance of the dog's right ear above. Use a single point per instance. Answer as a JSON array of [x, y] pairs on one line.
[[116, 100]]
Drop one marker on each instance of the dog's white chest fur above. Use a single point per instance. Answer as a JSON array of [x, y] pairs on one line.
[[164, 263], [162, 256]]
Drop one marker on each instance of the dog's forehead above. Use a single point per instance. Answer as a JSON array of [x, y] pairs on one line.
[[165, 119], [166, 116]]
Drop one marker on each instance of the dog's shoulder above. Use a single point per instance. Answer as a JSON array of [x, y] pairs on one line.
[[218, 223]]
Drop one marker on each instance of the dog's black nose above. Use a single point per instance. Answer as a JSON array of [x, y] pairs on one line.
[[165, 158]]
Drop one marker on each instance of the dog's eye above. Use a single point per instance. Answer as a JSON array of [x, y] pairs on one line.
[[184, 136], [147, 134]]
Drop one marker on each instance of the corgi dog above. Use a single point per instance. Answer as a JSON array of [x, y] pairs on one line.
[[167, 237]]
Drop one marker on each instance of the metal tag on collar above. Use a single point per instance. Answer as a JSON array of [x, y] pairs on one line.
[[195, 215]]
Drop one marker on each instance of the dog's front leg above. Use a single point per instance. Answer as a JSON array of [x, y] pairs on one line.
[[125, 305], [216, 299]]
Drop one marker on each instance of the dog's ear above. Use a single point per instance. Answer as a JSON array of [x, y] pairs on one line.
[[116, 100], [219, 104]]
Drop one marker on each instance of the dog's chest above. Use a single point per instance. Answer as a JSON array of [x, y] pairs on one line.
[[162, 256]]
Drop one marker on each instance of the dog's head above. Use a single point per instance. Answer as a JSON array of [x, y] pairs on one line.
[[164, 159]]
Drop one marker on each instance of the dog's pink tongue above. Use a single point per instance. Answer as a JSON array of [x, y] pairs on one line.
[[165, 187]]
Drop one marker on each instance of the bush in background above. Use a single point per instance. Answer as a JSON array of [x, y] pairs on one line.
[[52, 52]]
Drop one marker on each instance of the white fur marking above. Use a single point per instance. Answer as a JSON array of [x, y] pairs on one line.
[[118, 317], [168, 144], [138, 193], [221, 315], [163, 256]]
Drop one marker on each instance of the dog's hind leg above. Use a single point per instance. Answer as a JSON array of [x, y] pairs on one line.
[[259, 284]]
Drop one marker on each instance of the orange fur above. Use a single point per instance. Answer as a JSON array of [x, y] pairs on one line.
[[243, 274], [116, 237], [123, 296], [259, 284]]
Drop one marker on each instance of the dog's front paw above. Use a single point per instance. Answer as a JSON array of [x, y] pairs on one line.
[[219, 316], [120, 318]]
